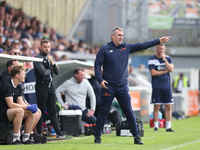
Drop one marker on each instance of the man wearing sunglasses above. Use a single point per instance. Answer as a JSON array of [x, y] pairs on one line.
[[14, 51], [10, 64]]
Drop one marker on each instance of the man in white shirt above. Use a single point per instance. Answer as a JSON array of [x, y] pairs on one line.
[[76, 90]]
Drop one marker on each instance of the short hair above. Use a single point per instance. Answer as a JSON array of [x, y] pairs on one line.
[[44, 41], [114, 29], [10, 62], [11, 48], [77, 70], [16, 70], [161, 44]]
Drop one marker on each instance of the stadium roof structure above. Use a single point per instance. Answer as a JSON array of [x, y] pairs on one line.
[[5, 57], [66, 67], [67, 70]]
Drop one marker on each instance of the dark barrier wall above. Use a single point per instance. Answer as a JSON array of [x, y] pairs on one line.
[[29, 87]]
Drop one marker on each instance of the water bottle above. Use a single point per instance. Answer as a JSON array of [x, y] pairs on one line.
[[118, 128], [91, 129], [44, 133], [53, 133], [160, 115], [151, 116], [141, 129], [87, 129], [107, 128]]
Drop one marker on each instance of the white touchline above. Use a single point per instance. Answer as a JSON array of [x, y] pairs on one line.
[[182, 145]]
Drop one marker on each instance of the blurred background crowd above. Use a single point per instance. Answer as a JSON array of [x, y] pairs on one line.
[[19, 30]]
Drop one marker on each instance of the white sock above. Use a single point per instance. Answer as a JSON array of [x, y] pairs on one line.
[[156, 125], [168, 124], [25, 137], [16, 137]]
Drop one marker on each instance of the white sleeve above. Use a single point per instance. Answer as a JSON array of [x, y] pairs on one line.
[[62, 88]]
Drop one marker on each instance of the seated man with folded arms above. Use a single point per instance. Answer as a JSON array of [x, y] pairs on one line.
[[12, 107]]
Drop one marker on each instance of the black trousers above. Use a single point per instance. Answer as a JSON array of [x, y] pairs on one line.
[[46, 97]]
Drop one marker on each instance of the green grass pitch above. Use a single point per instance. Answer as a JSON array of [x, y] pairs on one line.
[[186, 137]]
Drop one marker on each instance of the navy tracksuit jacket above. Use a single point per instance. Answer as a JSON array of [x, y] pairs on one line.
[[114, 60]]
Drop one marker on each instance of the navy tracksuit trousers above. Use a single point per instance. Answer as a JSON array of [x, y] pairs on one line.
[[121, 92]]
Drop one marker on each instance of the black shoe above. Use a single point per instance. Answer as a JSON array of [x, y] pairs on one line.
[[155, 129], [169, 130], [61, 136], [29, 141], [137, 140], [97, 140], [17, 142]]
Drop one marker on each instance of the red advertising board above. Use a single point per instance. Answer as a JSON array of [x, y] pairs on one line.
[[135, 100], [193, 102]]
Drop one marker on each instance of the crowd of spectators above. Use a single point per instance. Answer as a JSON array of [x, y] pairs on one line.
[[19, 30]]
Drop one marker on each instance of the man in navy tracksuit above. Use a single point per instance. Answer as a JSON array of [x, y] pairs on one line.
[[114, 59]]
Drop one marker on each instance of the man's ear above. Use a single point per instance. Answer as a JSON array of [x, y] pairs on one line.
[[17, 75], [9, 68], [112, 36], [75, 75]]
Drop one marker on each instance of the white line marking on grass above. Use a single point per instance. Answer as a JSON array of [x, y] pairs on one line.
[[80, 138], [111, 144], [126, 141], [150, 137], [182, 145]]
